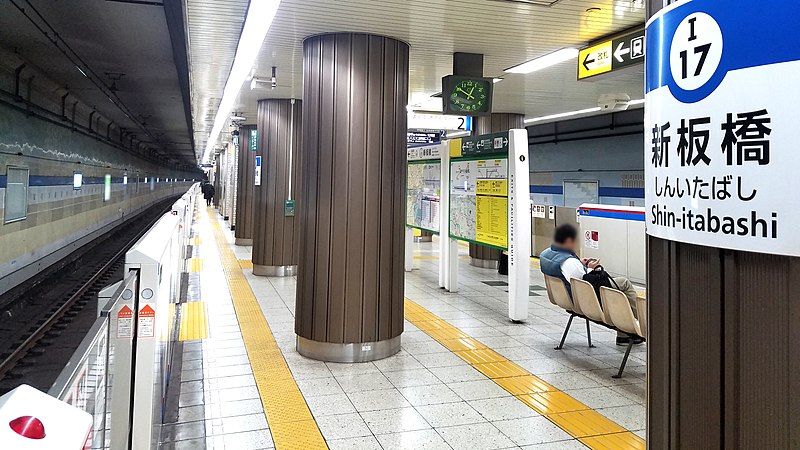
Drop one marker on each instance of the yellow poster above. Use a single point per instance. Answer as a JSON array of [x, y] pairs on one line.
[[491, 224], [497, 187]]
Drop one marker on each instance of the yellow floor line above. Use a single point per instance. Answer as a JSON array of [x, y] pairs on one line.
[[193, 321], [245, 264], [583, 423], [290, 421], [195, 265]]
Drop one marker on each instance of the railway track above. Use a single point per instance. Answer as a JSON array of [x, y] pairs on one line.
[[42, 325]]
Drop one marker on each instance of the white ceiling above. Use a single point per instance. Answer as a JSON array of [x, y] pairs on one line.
[[507, 33]]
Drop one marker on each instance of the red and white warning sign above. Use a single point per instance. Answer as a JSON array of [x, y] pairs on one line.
[[147, 322], [592, 239], [125, 322]]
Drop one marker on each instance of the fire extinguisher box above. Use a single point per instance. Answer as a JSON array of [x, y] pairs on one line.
[[31, 419]]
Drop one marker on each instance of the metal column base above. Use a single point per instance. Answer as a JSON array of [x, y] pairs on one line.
[[274, 271], [243, 241], [484, 263], [348, 353]]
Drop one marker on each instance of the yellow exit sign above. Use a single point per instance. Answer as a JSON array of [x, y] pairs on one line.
[[611, 54]]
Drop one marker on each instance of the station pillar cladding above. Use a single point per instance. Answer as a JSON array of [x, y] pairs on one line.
[[352, 213], [724, 323], [481, 255], [275, 231], [245, 188]]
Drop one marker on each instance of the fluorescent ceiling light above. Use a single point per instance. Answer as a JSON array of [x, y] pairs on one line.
[[562, 115], [545, 61], [458, 134], [256, 25]]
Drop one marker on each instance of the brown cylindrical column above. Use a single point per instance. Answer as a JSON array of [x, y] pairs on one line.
[[245, 187], [481, 255], [217, 179], [275, 234], [350, 283]]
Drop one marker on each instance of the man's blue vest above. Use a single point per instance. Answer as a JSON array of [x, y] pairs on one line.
[[550, 261]]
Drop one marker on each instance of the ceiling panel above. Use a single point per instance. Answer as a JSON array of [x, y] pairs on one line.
[[507, 33]]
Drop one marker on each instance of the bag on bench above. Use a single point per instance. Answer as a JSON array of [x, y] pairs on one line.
[[598, 277]]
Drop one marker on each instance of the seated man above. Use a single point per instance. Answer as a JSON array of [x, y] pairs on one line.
[[561, 261]]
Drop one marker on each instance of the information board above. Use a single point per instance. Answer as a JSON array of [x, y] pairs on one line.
[[721, 153], [423, 188], [479, 190]]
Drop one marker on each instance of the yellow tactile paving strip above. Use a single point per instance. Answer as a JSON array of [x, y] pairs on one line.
[[290, 421], [585, 424], [194, 324], [195, 265], [245, 264]]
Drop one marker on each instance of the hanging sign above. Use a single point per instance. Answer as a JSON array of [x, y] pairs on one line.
[[611, 54], [258, 171], [722, 86]]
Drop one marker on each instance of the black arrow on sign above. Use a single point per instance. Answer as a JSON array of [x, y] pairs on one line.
[[587, 61]]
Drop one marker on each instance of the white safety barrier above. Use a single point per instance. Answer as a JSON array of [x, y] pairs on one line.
[[100, 379], [614, 235], [33, 420]]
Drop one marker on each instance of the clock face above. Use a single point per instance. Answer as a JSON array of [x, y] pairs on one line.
[[470, 95]]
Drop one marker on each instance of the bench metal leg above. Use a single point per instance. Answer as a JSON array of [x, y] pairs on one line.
[[564, 338], [589, 334], [624, 361]]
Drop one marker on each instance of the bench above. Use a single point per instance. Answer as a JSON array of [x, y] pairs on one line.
[[617, 314]]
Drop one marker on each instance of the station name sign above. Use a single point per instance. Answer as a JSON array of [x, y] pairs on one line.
[[721, 154], [611, 54]]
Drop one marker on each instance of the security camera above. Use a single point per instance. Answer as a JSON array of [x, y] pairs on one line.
[[614, 102]]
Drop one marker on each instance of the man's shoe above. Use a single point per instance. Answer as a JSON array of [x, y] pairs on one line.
[[627, 340]]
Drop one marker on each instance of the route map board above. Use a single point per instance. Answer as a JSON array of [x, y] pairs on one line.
[[422, 195], [479, 190], [423, 188]]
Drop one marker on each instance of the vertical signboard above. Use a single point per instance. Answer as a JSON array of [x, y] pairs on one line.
[[423, 187], [722, 89], [258, 171], [253, 140], [489, 204]]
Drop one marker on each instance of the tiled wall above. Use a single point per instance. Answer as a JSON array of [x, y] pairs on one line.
[[58, 214]]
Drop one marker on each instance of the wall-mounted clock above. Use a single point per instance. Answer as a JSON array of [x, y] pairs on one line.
[[470, 96]]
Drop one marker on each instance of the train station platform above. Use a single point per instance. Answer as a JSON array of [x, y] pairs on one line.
[[466, 376]]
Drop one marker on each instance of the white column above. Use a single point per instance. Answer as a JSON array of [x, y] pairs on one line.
[[519, 225], [409, 263]]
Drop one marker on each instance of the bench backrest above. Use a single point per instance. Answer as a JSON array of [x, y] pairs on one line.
[[584, 295], [619, 311], [558, 293], [641, 314]]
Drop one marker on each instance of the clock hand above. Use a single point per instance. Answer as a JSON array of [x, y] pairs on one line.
[[468, 94], [471, 91]]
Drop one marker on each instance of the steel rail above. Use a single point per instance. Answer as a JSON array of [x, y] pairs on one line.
[[19, 353]]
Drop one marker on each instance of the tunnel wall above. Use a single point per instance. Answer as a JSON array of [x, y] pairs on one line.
[[608, 148], [60, 218]]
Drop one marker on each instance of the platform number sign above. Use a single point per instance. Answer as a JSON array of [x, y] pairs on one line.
[[722, 88]]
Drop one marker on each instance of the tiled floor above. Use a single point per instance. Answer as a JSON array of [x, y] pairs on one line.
[[423, 397]]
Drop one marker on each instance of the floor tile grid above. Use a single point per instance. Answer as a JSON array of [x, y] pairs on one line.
[[289, 418], [572, 416], [276, 295]]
